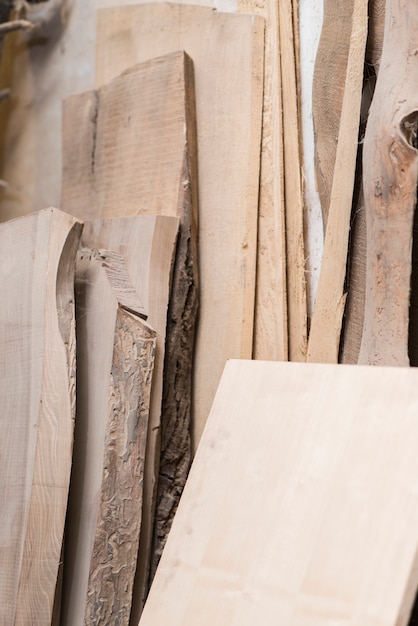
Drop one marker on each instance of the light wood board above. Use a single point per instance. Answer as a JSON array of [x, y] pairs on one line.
[[390, 174], [325, 331], [128, 152], [295, 249], [270, 340], [37, 338], [227, 52], [301, 506], [147, 246]]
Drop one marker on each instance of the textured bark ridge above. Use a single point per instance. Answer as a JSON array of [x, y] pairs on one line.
[[390, 174], [175, 454], [115, 548]]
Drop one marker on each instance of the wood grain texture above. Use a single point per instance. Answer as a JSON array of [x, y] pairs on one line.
[[295, 250], [38, 390], [330, 77], [270, 341], [300, 507], [129, 152], [325, 332], [390, 170], [115, 549], [147, 244], [228, 62]]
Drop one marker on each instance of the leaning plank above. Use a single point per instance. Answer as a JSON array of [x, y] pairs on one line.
[[270, 340], [228, 63], [123, 260], [390, 171], [324, 338], [295, 250], [37, 373], [330, 78], [127, 153], [300, 507]]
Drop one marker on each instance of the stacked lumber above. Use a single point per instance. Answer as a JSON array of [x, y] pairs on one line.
[[178, 269]]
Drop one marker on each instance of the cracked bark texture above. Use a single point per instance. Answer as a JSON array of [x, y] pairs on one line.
[[116, 541]]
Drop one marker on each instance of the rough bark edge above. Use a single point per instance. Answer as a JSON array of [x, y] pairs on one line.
[[116, 541]]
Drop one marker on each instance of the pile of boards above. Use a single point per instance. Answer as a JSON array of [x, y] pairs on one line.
[[179, 245]]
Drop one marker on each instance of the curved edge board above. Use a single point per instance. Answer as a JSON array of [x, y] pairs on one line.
[[38, 385]]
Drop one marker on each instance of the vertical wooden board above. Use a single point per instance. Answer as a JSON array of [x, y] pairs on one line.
[[390, 173], [325, 332], [228, 63], [38, 398], [147, 246], [270, 313], [301, 506], [128, 152]]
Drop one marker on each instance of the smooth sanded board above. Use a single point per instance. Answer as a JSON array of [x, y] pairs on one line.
[[145, 247], [227, 52], [390, 175], [37, 373], [301, 505], [130, 149]]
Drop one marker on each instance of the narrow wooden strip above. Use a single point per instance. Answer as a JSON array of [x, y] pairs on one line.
[[295, 255], [324, 338], [390, 171], [37, 374], [270, 315]]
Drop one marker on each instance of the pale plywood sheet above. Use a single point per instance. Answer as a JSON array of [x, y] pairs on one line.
[[228, 61], [301, 506], [147, 244], [37, 336]]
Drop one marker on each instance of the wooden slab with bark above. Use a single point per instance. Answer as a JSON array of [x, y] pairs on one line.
[[325, 332], [390, 174], [300, 507], [37, 373], [123, 273], [126, 152], [228, 62]]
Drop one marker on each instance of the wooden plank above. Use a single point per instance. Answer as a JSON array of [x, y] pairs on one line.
[[270, 340], [324, 337], [146, 245], [37, 373], [228, 109], [127, 153], [291, 516], [295, 250], [390, 171]]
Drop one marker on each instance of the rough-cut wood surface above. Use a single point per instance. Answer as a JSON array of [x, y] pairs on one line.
[[126, 152], [300, 507], [147, 244], [115, 549], [295, 255], [227, 52], [37, 373], [330, 77], [324, 337], [390, 171], [270, 340], [356, 266]]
